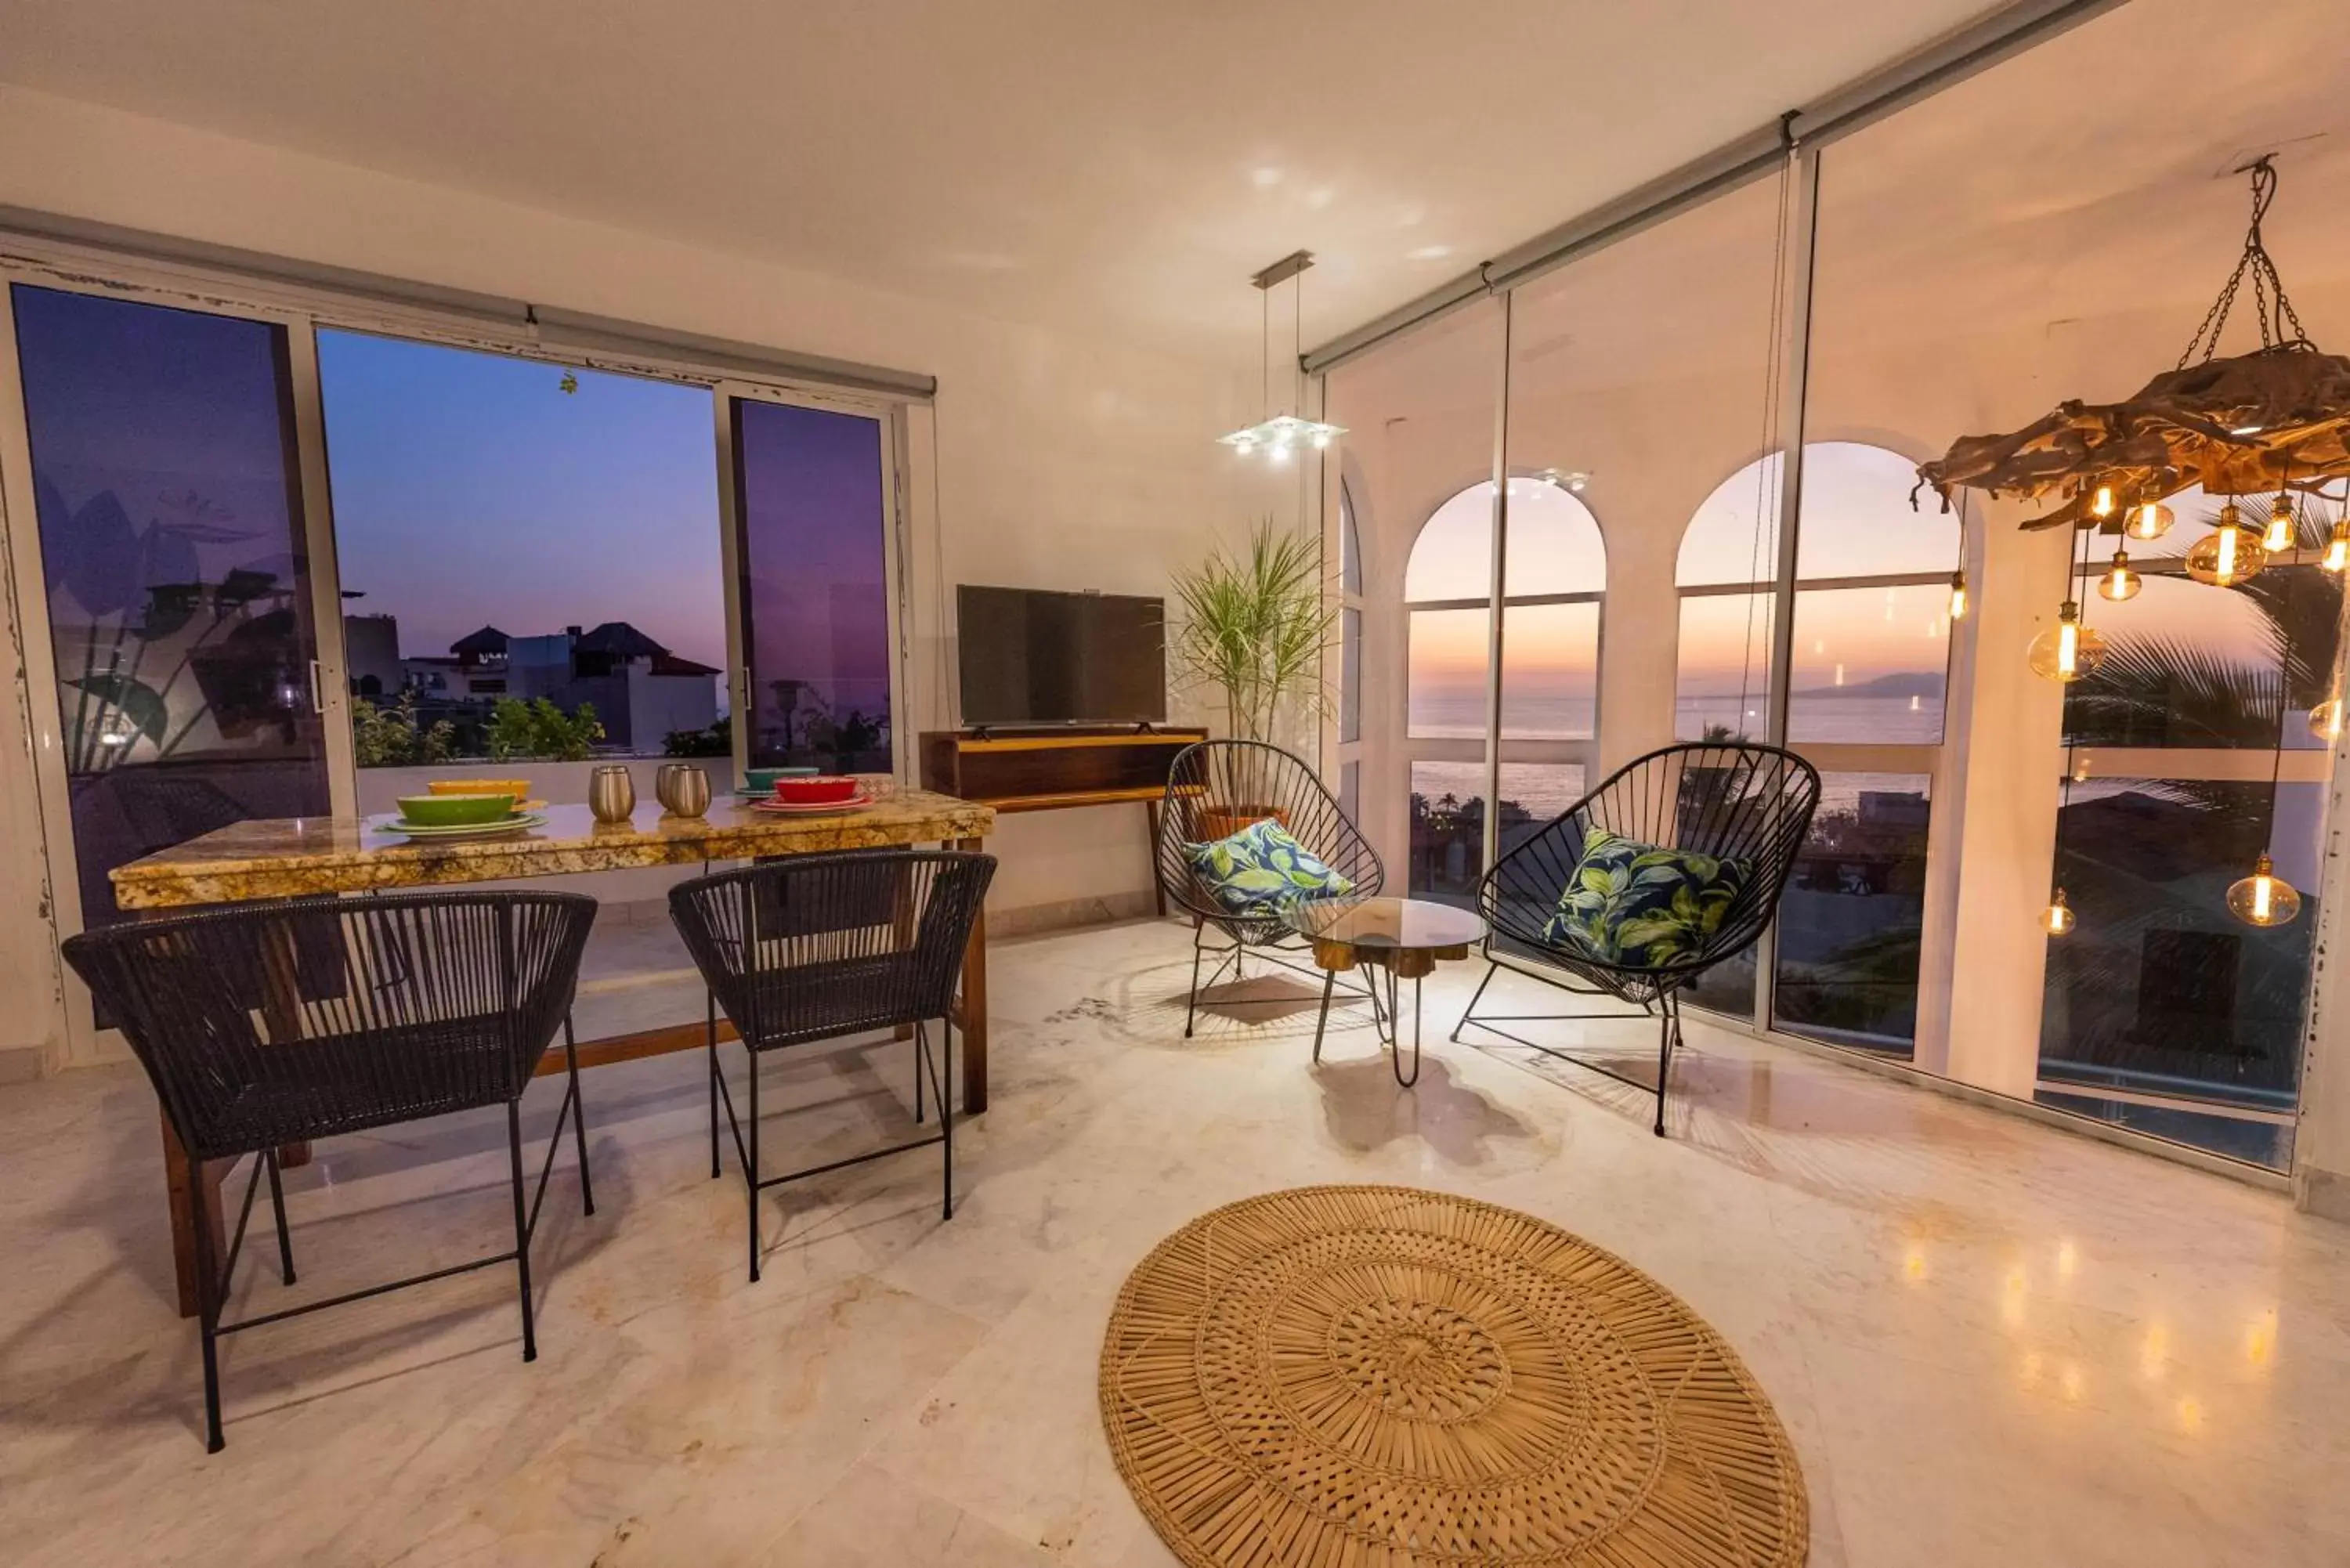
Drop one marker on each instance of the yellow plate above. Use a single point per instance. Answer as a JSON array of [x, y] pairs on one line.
[[515, 787]]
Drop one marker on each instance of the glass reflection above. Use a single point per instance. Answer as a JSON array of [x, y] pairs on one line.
[[1850, 922]]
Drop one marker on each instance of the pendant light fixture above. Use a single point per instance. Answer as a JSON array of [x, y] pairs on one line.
[[2337, 547], [2056, 919], [2121, 581], [1277, 435], [2282, 530], [2265, 898], [2148, 519], [2231, 553], [2069, 650], [1958, 577]]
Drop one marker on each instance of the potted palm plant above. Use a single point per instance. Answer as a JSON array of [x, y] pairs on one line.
[[1253, 625]]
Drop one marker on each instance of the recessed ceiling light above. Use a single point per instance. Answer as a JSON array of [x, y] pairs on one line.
[[1264, 176], [1428, 253]]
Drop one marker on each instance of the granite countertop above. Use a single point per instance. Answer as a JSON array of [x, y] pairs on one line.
[[294, 856]]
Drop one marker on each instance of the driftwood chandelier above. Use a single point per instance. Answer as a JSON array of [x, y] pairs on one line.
[[2273, 422], [2276, 420]]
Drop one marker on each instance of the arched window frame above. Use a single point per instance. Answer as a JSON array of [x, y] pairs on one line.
[[1928, 761], [1507, 754]]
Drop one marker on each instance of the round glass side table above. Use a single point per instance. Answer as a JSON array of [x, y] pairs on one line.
[[1406, 938]]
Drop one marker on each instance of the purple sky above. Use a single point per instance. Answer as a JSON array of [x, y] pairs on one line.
[[471, 490], [814, 525]]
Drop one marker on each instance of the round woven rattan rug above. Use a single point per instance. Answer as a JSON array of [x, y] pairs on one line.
[[1351, 1376]]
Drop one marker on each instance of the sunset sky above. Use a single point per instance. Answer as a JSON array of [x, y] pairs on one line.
[[1856, 522]]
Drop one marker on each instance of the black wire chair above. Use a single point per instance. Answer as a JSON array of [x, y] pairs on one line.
[[1749, 803], [815, 947], [277, 1022], [1214, 789]]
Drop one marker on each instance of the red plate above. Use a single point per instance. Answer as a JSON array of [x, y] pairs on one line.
[[813, 808]]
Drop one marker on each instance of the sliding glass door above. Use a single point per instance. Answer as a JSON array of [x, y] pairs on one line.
[[177, 678], [812, 493]]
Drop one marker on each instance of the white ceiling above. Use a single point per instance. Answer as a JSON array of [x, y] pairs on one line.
[[1111, 166]]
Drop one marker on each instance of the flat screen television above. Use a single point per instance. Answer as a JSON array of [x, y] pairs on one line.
[[1033, 657]]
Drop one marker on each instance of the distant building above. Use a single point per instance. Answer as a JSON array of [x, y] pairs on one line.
[[640, 689]]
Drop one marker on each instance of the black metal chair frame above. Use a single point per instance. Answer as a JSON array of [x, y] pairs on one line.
[[90, 954], [1752, 801], [959, 888], [1222, 776]]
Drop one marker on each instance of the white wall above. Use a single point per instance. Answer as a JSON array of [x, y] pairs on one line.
[[1048, 460]]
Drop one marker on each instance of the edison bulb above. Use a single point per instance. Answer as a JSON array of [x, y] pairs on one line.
[[2068, 650], [2279, 534], [2325, 720], [2337, 548], [2101, 501], [1280, 452], [2149, 520], [1321, 439], [2057, 918], [1957, 596], [2231, 553], [2263, 898], [2120, 582]]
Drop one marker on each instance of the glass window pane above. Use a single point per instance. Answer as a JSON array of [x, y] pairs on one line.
[[1550, 671], [1350, 675], [2188, 664], [1446, 685], [1723, 681], [177, 576], [816, 601], [1850, 922], [1856, 519], [1448, 831], [1870, 665], [1350, 790], [1554, 545], [510, 539], [1532, 794], [1732, 536], [1728, 988], [2158, 991]]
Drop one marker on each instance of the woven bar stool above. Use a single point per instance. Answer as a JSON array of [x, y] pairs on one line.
[[272, 1023], [817, 946]]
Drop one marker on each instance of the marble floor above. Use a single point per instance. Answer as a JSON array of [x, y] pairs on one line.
[[1991, 1342]]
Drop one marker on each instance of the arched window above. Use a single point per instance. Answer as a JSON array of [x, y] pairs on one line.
[[1871, 644], [1867, 667], [1555, 579]]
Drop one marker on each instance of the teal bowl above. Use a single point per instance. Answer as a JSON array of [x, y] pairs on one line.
[[455, 810], [762, 781]]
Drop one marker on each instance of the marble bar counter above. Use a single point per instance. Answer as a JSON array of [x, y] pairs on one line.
[[304, 855]]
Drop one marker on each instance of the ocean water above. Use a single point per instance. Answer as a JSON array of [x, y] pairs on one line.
[[1545, 790]]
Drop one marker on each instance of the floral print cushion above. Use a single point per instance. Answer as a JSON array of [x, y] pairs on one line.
[[1635, 904], [1261, 868]]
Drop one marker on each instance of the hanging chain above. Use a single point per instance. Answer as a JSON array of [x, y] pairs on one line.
[[2279, 324]]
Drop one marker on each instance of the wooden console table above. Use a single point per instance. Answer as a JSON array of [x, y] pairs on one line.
[[1050, 768]]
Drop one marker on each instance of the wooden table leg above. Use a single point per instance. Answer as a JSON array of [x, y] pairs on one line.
[[974, 1007], [178, 1170], [281, 1005]]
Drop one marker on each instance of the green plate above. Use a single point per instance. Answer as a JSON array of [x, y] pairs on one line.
[[472, 830]]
